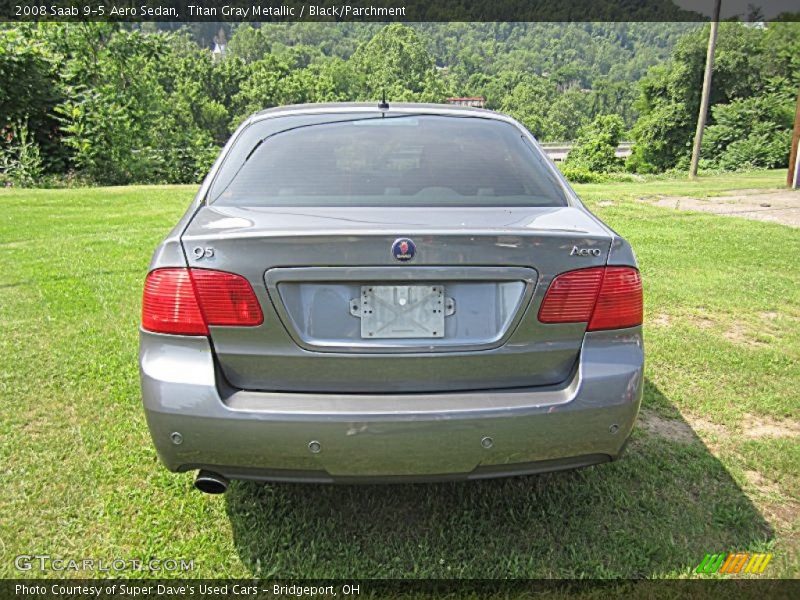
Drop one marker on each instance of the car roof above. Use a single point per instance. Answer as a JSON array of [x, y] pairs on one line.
[[372, 107]]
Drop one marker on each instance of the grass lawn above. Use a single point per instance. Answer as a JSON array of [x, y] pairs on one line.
[[714, 466]]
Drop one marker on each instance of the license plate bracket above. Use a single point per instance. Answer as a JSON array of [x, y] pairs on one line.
[[402, 311]]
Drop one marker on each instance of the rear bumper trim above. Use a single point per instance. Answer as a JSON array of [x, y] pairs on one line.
[[485, 472], [267, 436]]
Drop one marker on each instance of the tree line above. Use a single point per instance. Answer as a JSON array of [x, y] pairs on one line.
[[118, 104]]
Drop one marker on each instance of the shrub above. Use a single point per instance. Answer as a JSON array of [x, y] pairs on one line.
[[149, 111], [30, 90], [670, 94], [20, 159], [661, 138], [762, 149], [576, 174], [595, 149], [751, 132]]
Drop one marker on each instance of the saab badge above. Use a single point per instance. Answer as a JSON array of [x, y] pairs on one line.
[[403, 249]]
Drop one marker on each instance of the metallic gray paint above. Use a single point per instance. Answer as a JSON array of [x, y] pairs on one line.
[[255, 241], [460, 283], [546, 394], [386, 435]]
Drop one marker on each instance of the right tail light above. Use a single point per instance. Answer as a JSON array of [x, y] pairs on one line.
[[603, 297]]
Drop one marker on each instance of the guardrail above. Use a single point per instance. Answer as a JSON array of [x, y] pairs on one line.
[[558, 151]]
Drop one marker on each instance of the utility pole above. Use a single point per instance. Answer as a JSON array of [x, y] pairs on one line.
[[792, 176], [701, 118]]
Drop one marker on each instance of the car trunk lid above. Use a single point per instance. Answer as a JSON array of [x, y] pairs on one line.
[[485, 268]]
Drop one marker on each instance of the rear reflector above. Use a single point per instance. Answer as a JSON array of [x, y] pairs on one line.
[[603, 297], [620, 301], [186, 301], [226, 299]]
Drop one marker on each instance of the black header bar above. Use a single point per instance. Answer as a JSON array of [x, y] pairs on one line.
[[363, 589], [392, 10]]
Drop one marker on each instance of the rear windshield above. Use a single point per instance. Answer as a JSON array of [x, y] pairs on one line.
[[405, 160]]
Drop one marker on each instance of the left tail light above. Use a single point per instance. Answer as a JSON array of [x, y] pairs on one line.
[[182, 301]]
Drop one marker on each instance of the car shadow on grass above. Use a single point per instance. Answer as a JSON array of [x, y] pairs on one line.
[[654, 513]]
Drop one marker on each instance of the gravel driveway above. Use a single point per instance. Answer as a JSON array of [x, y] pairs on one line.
[[780, 206]]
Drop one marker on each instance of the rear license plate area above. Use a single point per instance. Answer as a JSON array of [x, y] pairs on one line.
[[400, 311]]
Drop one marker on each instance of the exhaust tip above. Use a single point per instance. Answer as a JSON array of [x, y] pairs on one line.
[[210, 483]]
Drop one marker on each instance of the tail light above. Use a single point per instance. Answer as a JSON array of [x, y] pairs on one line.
[[619, 303], [186, 301], [604, 297]]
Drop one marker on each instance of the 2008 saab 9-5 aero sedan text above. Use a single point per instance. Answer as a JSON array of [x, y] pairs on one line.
[[388, 293]]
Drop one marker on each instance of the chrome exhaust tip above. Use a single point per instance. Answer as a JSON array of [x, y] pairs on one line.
[[210, 483]]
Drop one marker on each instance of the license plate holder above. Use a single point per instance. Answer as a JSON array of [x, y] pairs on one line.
[[401, 311]]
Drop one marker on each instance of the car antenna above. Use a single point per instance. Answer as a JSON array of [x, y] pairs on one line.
[[383, 105]]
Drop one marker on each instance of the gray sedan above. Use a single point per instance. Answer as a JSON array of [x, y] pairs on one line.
[[366, 292]]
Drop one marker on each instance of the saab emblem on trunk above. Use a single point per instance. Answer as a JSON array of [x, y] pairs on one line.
[[403, 249]]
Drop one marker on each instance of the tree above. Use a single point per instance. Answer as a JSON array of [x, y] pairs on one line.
[[747, 60], [751, 132], [397, 63], [145, 103], [596, 146], [248, 43], [29, 68], [262, 88], [138, 107], [528, 102]]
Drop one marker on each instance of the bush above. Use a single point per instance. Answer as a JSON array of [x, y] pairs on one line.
[[20, 159], [661, 138], [751, 132], [30, 90], [595, 149], [149, 109], [581, 175], [670, 94], [760, 150]]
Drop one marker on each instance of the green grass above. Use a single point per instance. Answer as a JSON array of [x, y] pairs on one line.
[[82, 478], [703, 187]]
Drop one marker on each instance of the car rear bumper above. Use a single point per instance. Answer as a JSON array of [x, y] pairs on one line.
[[196, 422]]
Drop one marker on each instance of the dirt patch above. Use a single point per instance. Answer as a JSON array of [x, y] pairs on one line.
[[692, 430], [661, 320], [752, 427], [764, 486], [776, 207], [760, 427], [784, 513], [674, 430], [700, 321], [708, 427], [740, 335]]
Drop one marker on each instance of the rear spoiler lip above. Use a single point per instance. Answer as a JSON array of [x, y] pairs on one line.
[[292, 233], [271, 222]]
